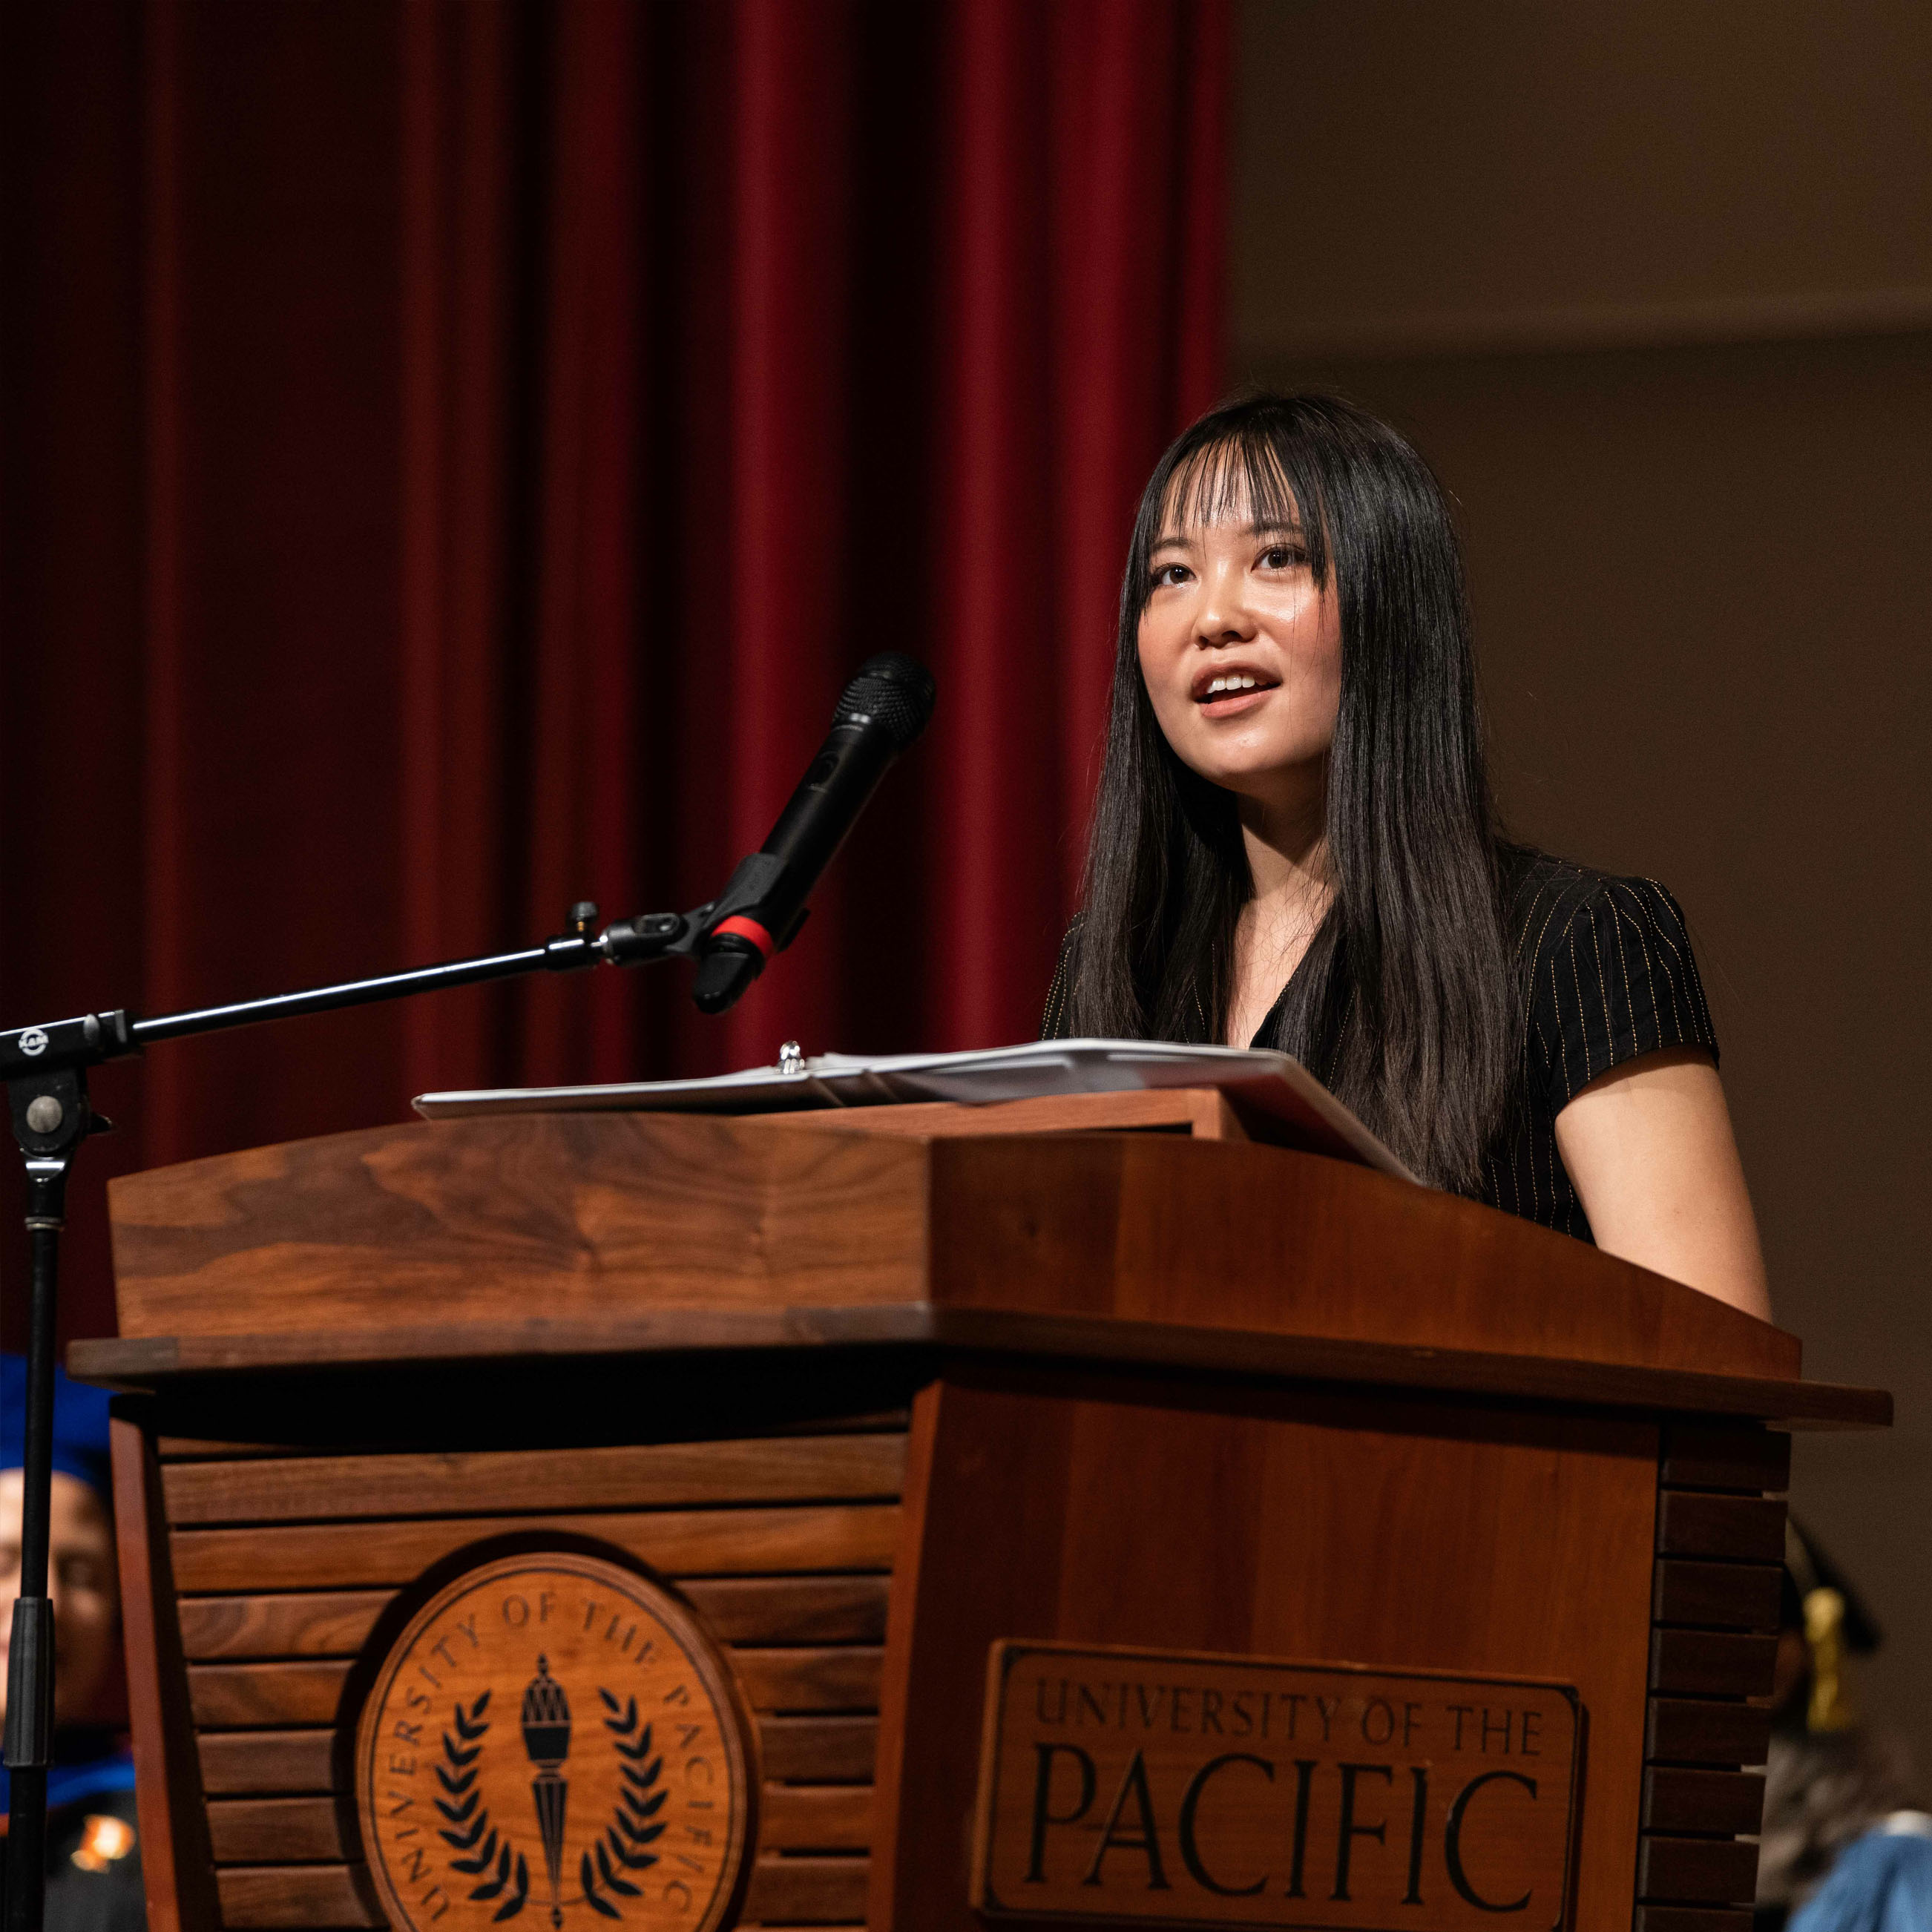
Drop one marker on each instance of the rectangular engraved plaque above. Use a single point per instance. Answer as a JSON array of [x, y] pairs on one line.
[[1188, 1789]]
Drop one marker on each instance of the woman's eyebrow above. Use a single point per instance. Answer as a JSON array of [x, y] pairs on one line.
[[1280, 527]]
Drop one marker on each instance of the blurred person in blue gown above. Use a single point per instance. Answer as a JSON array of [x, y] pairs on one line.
[[94, 1860], [1846, 1846]]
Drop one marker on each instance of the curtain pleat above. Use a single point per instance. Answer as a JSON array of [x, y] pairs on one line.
[[509, 425]]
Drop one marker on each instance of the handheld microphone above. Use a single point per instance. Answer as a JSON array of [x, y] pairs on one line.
[[882, 711]]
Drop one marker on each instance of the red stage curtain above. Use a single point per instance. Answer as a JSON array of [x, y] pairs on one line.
[[454, 453]]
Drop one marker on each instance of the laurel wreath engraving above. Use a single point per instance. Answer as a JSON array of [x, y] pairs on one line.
[[480, 1848], [622, 1844], [475, 1836]]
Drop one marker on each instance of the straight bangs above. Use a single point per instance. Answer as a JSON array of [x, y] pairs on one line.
[[1217, 473]]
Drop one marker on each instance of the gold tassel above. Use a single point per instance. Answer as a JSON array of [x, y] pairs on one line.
[[1825, 1636]]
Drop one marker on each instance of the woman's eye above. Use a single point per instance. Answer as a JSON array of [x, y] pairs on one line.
[[1171, 574], [1283, 556]]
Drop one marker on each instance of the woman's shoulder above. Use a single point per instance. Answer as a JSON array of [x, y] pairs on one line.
[[1548, 901], [1607, 965]]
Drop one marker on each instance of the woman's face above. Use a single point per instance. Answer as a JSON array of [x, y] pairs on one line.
[[1242, 654]]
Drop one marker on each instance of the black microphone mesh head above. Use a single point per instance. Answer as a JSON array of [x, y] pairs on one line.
[[894, 689]]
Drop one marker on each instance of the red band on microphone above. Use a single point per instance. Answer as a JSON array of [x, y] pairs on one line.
[[748, 928]]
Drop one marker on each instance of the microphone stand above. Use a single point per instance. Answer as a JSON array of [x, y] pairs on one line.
[[45, 1070]]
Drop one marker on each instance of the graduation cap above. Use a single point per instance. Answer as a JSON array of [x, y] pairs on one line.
[[80, 1426], [1806, 1568], [1818, 1600]]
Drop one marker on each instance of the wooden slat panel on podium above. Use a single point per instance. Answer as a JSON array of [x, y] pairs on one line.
[[750, 1610], [271, 1666]]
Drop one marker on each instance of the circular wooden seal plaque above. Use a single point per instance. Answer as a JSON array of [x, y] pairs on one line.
[[554, 1741]]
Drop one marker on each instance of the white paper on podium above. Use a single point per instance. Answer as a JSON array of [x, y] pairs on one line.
[[1273, 1084]]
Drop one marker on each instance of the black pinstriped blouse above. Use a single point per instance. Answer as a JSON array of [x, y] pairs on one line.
[[1608, 975]]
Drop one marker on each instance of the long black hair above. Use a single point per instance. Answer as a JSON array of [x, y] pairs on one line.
[[1406, 1003]]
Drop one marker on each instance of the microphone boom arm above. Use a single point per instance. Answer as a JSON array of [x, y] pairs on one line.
[[92, 1040]]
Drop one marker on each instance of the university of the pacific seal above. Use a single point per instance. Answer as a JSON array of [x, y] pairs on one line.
[[554, 1741]]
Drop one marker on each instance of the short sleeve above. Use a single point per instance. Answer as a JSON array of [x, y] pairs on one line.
[[1053, 1023], [1613, 978]]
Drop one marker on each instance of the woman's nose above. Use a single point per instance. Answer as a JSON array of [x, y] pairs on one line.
[[1223, 614]]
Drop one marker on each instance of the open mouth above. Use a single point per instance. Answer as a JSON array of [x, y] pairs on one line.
[[1224, 693]]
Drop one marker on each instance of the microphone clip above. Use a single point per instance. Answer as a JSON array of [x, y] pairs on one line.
[[729, 938]]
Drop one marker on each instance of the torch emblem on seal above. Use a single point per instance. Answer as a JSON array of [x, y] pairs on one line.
[[546, 1739], [637, 1756]]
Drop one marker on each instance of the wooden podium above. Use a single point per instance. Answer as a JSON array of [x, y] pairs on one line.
[[1069, 1510]]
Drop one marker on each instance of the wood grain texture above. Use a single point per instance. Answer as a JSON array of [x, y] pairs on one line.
[[177, 1448], [334, 1623], [1698, 1455], [310, 1898], [793, 1609], [263, 1696], [276, 1831], [829, 1818], [197, 1448], [1111, 1225], [1734, 1596], [328, 1898], [1202, 1111], [321, 1623], [293, 1761], [811, 1677], [655, 1475], [816, 1817], [599, 1217], [564, 1212], [1691, 1918], [339, 1555], [1222, 1350], [1684, 1730], [826, 1887], [895, 1854], [1696, 1871], [175, 1854], [917, 1328], [1384, 1531], [1712, 1663], [803, 1749], [810, 1750], [1677, 1798], [1743, 1529], [1714, 1645]]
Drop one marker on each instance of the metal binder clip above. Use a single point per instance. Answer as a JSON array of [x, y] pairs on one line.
[[791, 1060]]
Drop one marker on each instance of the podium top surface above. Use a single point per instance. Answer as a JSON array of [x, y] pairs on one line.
[[582, 1234]]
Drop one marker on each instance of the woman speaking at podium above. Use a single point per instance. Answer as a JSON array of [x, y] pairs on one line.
[[1294, 847]]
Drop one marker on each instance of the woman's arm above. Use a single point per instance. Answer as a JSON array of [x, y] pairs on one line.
[[1649, 1149]]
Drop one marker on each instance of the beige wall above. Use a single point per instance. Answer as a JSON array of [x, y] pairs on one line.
[[1478, 173], [1701, 560]]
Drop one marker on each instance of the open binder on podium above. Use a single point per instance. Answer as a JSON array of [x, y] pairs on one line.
[[1269, 1087]]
